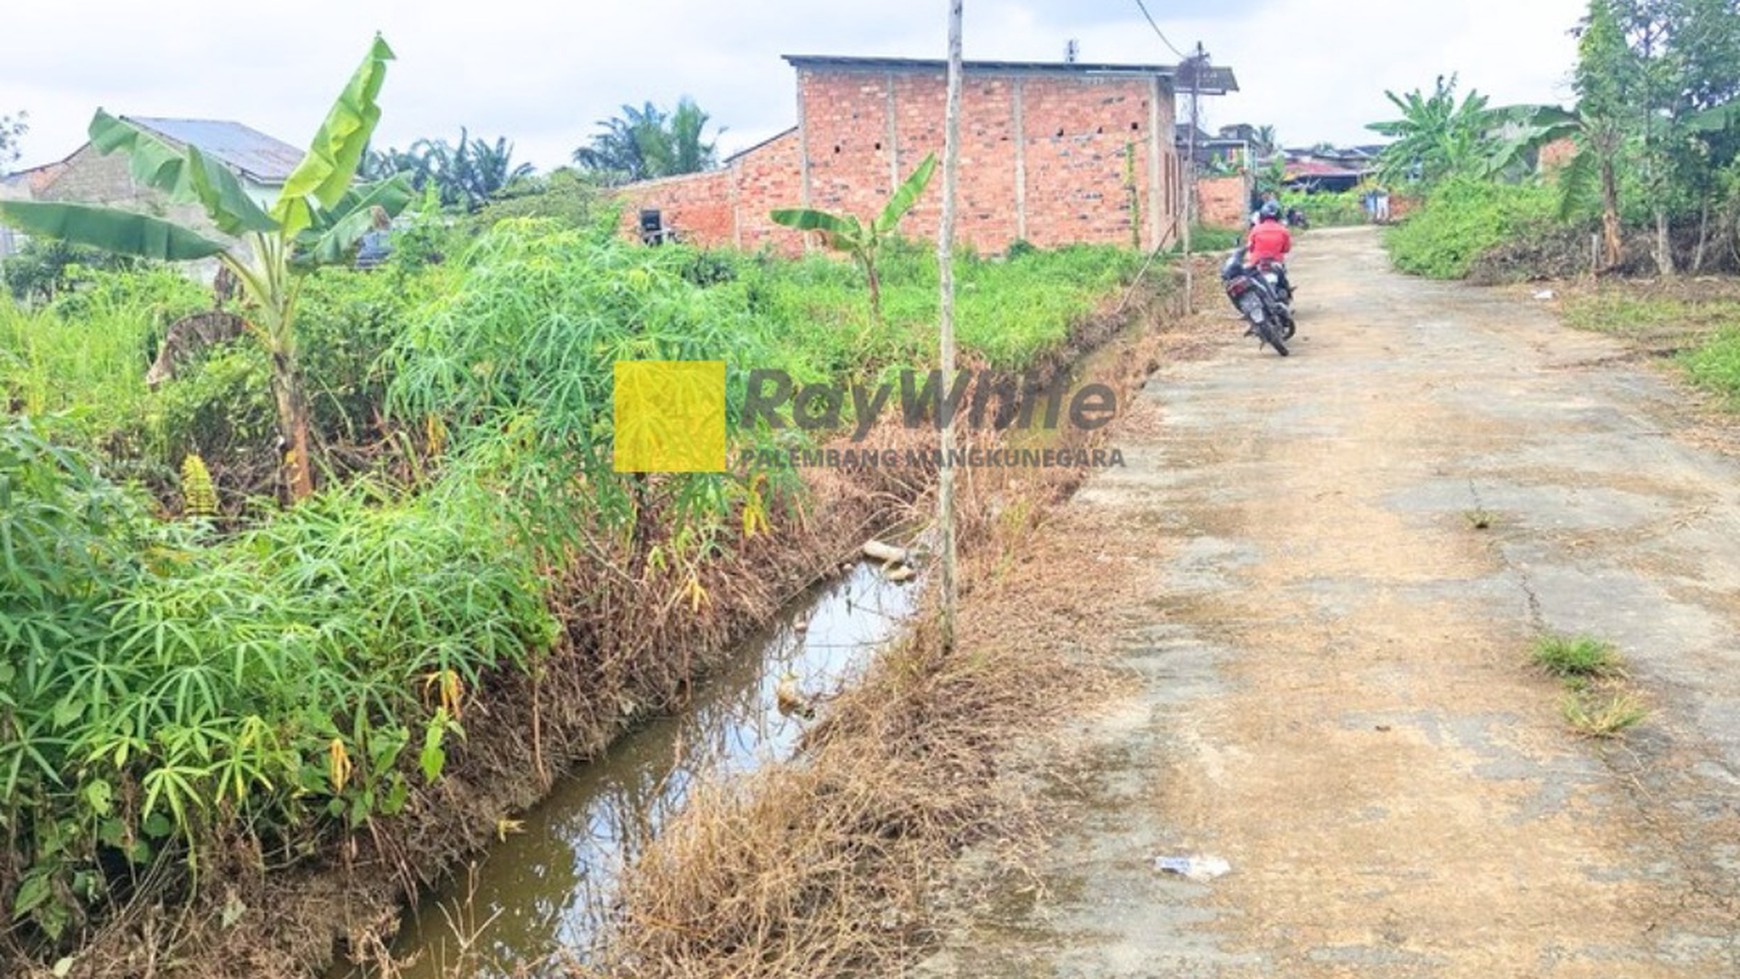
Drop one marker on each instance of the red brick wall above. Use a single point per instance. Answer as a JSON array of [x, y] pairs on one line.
[[698, 205], [1223, 202], [1557, 154], [1052, 158], [767, 179]]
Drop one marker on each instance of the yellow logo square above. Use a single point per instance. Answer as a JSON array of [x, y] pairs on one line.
[[670, 416]]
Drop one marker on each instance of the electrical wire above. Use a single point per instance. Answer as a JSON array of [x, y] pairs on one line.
[[1144, 8]]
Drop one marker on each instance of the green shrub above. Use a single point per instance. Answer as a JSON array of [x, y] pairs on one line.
[[1716, 364], [1206, 239], [1464, 217], [44, 268], [162, 689], [1328, 210]]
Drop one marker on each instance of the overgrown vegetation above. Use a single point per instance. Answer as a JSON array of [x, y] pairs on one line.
[[316, 217], [1648, 154], [189, 677], [1325, 209], [1463, 218]]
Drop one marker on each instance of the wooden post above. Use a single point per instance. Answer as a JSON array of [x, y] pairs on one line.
[[945, 256]]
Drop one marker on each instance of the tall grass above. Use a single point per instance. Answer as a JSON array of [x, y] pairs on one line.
[[79, 363]]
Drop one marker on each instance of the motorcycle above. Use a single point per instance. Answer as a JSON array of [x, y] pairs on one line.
[[1255, 291]]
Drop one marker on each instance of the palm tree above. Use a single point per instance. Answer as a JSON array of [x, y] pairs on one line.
[[466, 174], [646, 143], [1266, 143]]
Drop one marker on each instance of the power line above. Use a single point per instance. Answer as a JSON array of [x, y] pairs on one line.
[[1144, 8]]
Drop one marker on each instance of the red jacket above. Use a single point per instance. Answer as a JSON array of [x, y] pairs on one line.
[[1269, 239]]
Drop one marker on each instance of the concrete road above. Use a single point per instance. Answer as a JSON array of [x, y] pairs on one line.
[[1335, 691]]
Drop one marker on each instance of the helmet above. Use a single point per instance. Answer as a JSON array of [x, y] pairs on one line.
[[1271, 211]]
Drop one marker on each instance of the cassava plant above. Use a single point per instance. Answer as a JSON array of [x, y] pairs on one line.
[[863, 240], [316, 217]]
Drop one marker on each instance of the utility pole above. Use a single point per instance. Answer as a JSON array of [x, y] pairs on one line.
[[945, 256], [1192, 70]]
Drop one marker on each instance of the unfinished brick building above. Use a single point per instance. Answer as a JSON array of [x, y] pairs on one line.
[[1051, 153]]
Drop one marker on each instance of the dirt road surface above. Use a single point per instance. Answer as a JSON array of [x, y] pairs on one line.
[[1333, 690]]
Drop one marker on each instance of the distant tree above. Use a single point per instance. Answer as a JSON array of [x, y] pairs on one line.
[[1436, 136], [648, 142], [565, 195], [1606, 81], [1267, 142], [12, 130], [465, 175]]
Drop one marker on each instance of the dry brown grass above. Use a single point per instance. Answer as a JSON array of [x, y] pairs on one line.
[[826, 866]]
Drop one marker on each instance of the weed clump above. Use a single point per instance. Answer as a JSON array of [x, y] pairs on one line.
[[1584, 657]]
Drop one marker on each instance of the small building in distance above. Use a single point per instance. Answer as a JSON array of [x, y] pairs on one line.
[[1052, 153], [261, 163]]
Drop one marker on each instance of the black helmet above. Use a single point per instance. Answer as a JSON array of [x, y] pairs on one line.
[[1271, 211]]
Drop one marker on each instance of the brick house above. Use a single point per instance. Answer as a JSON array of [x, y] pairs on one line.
[[1051, 153]]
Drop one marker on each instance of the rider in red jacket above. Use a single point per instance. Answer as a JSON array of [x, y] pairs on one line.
[[1271, 241]]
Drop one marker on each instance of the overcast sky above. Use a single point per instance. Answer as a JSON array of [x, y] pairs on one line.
[[543, 75]]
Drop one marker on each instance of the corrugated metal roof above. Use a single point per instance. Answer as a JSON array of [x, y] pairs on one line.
[[1215, 81], [254, 154]]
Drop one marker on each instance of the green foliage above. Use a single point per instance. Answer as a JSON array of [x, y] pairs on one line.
[[1328, 210], [1436, 136], [44, 268], [1206, 239], [1462, 218], [1715, 364], [164, 686], [569, 197], [12, 130], [465, 175], [159, 687], [78, 365], [649, 142], [863, 240], [1577, 656]]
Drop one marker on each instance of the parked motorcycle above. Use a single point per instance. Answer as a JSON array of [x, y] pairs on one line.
[[1256, 293]]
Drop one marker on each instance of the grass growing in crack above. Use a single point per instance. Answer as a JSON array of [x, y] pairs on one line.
[[1577, 657], [1594, 716], [1479, 518]]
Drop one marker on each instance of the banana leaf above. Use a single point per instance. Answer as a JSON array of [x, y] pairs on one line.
[[906, 196], [184, 173], [325, 173], [122, 232], [334, 231], [808, 219]]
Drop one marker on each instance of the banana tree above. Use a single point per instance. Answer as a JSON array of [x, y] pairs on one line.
[[315, 218], [1599, 140], [863, 240]]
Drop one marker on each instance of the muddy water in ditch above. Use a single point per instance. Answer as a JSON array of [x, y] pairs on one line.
[[544, 890]]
